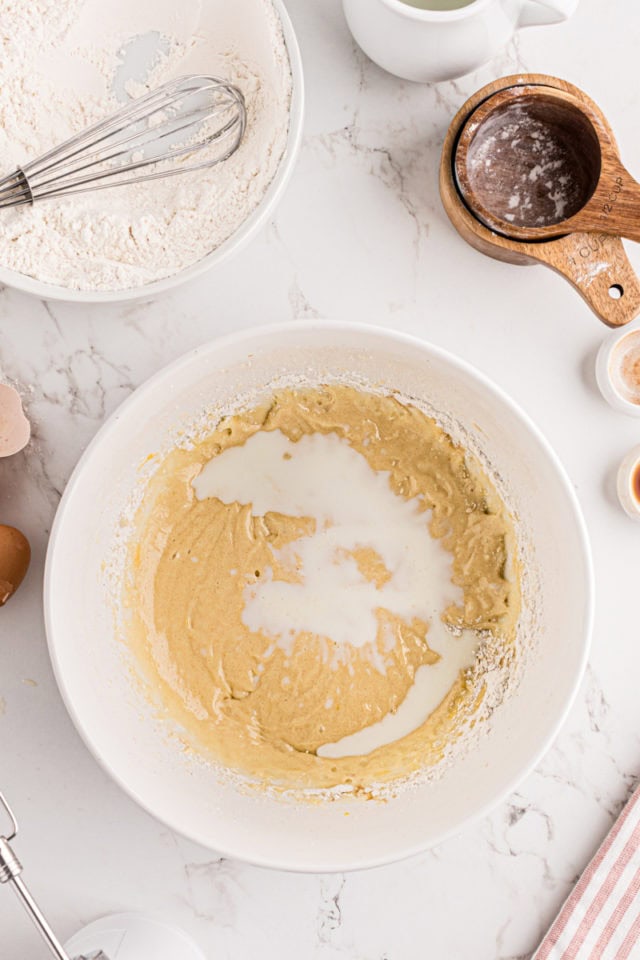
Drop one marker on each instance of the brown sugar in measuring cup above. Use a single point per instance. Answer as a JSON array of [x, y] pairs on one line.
[[547, 138], [535, 162]]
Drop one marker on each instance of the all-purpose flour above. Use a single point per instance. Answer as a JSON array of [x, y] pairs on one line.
[[66, 63]]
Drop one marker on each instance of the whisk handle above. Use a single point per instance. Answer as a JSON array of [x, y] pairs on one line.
[[10, 870], [39, 919]]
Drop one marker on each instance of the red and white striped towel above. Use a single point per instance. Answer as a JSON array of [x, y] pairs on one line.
[[601, 918]]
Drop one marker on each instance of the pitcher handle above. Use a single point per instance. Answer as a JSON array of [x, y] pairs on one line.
[[537, 12]]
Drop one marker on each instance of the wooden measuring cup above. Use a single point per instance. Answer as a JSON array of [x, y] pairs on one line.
[[537, 160], [594, 263]]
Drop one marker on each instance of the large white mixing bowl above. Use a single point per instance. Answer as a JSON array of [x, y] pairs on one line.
[[183, 791]]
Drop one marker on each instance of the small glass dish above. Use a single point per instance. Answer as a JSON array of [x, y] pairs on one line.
[[629, 483], [618, 369]]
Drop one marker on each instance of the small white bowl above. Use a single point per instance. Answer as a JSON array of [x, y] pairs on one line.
[[231, 246], [629, 484], [608, 369], [133, 936]]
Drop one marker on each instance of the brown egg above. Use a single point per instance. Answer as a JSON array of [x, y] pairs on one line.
[[15, 554], [14, 426]]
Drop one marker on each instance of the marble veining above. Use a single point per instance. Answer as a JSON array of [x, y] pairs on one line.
[[360, 235]]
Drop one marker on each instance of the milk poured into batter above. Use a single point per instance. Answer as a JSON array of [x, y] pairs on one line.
[[369, 549], [308, 583]]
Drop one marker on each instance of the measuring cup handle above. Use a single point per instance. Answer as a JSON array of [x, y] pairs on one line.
[[538, 12], [616, 203], [598, 267]]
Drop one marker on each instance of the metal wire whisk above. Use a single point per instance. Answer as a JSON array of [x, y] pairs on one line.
[[164, 130]]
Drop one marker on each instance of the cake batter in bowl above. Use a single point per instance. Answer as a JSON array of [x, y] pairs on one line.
[[320, 589], [136, 738]]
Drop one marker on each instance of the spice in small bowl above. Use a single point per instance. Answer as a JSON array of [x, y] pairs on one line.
[[618, 370], [629, 483]]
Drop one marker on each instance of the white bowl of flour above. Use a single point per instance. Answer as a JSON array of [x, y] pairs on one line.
[[66, 65]]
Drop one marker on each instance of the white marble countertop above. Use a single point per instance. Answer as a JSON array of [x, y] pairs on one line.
[[360, 235]]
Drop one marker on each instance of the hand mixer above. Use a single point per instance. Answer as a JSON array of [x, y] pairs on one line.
[[122, 937], [160, 134]]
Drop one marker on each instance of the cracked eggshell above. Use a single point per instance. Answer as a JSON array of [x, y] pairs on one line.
[[15, 429]]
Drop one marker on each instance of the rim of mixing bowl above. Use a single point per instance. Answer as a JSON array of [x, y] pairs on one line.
[[233, 244]]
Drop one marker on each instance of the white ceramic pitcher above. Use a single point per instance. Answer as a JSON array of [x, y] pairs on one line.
[[433, 45]]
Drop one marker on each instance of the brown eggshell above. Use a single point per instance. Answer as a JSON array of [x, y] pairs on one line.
[[15, 554], [14, 426]]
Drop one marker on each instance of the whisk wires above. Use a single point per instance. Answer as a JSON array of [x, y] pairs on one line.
[[164, 130]]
